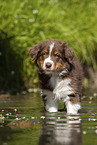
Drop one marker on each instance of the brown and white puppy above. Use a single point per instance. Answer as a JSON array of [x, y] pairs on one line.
[[60, 75]]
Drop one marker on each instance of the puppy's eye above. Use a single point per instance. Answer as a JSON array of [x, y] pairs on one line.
[[45, 52], [56, 54]]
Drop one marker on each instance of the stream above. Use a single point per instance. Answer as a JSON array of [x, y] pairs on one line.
[[23, 121]]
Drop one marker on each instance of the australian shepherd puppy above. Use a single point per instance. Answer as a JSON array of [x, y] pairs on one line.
[[60, 75]]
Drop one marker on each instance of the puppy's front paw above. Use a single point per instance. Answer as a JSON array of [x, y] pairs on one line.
[[52, 109]]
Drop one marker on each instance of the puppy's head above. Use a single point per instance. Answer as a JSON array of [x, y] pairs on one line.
[[52, 55]]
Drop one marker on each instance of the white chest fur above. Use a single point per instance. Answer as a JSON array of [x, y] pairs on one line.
[[61, 88]]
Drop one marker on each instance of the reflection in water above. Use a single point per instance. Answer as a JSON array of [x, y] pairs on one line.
[[59, 129]]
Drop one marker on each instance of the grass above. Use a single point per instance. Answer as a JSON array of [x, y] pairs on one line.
[[31, 22]]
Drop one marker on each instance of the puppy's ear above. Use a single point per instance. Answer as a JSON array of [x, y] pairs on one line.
[[68, 53], [34, 51]]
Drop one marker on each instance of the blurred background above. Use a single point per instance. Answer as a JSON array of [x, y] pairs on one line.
[[24, 23]]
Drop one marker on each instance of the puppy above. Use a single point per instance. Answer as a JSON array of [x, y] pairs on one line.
[[60, 75]]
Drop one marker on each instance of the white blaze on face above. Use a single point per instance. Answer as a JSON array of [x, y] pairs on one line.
[[48, 60], [51, 48]]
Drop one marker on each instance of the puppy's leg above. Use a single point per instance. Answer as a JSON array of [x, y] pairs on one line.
[[73, 104], [72, 108], [51, 104]]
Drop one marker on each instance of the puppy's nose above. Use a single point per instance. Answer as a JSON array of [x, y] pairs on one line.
[[48, 65]]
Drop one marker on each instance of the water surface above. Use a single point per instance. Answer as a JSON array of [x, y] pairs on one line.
[[23, 121]]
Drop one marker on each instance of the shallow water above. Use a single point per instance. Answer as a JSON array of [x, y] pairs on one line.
[[23, 121]]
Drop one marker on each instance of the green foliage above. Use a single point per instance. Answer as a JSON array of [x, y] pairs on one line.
[[11, 65], [31, 22]]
